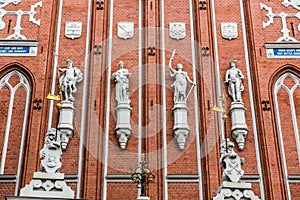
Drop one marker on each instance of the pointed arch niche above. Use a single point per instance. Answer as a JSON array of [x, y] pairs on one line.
[[15, 98], [287, 113]]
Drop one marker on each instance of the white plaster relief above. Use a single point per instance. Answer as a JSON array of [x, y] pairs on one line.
[[293, 3], [229, 30], [17, 29], [232, 186], [285, 31], [125, 30], [4, 3], [73, 30], [177, 30]]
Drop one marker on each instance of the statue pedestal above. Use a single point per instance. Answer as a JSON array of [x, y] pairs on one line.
[[143, 198], [65, 124], [47, 185], [123, 127], [239, 129], [231, 190], [181, 128]]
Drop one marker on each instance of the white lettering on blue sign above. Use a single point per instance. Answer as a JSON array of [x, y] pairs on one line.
[[286, 52], [18, 51]]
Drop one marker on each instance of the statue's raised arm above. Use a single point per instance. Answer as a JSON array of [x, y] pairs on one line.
[[170, 62]]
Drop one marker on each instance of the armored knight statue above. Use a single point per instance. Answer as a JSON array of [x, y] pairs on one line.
[[180, 81], [51, 153], [121, 78], [234, 78], [71, 75]]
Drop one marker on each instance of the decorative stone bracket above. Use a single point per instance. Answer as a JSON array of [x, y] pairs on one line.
[[47, 185], [123, 128], [181, 128], [239, 129]]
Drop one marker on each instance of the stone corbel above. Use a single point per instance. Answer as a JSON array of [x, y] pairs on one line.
[[123, 128], [65, 125], [239, 129], [181, 128]]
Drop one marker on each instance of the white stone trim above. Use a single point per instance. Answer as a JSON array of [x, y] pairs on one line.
[[247, 61], [55, 63], [163, 83], [197, 133], [106, 137]]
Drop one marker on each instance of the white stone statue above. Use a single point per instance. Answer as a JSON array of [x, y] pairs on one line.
[[180, 81], [121, 78], [71, 75], [234, 78], [51, 153]]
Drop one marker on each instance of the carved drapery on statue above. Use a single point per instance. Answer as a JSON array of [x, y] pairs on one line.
[[123, 110], [239, 129], [232, 187], [181, 128]]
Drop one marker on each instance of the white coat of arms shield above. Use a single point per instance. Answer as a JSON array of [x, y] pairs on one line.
[[73, 30], [229, 30], [125, 30], [177, 30]]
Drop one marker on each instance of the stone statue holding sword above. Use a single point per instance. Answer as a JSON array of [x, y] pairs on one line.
[[180, 82]]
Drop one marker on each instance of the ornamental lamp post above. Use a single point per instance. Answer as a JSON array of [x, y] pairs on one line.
[[142, 176]]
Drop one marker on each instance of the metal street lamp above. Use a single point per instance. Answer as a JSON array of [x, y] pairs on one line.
[[142, 176]]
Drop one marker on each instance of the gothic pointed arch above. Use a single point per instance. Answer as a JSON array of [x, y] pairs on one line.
[[16, 86], [285, 94]]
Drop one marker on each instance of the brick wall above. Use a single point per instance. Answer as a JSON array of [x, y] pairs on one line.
[[262, 71]]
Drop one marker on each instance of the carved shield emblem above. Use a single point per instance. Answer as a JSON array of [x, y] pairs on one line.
[[233, 168], [177, 30], [51, 162], [125, 30], [229, 30], [73, 30]]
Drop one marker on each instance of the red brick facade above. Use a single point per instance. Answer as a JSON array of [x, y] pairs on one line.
[[271, 152]]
